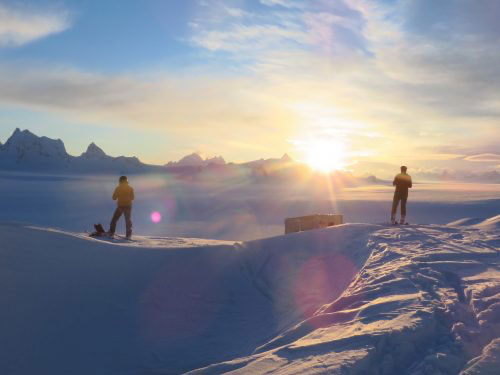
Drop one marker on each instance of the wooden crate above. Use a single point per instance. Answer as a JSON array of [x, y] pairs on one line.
[[298, 224]]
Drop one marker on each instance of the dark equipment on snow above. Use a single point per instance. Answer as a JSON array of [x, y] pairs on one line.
[[99, 231]]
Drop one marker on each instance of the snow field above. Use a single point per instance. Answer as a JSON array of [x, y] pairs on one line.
[[352, 299], [80, 305]]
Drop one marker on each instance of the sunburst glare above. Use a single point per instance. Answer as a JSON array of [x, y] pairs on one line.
[[325, 155]]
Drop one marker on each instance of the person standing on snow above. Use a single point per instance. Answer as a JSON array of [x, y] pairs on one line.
[[402, 181], [123, 195]]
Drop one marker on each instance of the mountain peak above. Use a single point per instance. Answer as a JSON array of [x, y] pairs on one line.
[[18, 134], [286, 158], [94, 151], [191, 159], [195, 160], [215, 160], [24, 144]]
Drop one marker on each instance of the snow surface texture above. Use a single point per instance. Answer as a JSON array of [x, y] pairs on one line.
[[352, 299]]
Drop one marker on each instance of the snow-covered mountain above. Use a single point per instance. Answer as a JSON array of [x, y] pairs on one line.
[[94, 153], [195, 160], [25, 151], [352, 299], [26, 145], [260, 163]]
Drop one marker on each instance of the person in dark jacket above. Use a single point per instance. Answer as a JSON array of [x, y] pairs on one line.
[[402, 181], [123, 195]]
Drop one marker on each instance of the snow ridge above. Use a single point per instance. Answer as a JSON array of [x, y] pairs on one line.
[[414, 308]]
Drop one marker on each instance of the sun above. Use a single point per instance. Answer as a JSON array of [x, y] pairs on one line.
[[325, 156]]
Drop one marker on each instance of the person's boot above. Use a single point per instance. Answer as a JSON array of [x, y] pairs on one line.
[[403, 220], [129, 236], [393, 220]]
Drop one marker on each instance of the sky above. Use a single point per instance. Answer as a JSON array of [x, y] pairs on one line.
[[376, 84]]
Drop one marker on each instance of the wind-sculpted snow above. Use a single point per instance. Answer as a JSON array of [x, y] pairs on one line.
[[352, 299], [426, 301]]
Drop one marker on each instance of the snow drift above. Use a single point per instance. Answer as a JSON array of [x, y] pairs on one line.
[[352, 299]]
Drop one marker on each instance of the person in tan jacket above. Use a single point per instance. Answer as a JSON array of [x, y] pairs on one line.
[[123, 195]]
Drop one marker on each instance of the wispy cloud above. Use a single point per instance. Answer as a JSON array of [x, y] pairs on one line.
[[284, 3], [20, 25], [489, 158]]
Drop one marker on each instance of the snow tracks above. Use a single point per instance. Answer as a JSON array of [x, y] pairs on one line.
[[426, 301]]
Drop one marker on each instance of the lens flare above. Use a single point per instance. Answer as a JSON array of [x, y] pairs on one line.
[[156, 217]]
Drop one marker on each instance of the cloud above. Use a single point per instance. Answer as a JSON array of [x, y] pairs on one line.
[[445, 174], [283, 3], [21, 25], [187, 109], [493, 158], [293, 25], [245, 37], [445, 57]]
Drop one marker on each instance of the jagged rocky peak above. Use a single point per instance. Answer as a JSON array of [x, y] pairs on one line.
[[191, 159], [195, 159], [24, 143], [94, 151], [215, 160], [286, 158]]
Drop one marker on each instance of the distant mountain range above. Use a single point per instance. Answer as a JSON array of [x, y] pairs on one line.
[[195, 160], [25, 151]]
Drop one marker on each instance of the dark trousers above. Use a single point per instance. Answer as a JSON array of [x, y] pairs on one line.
[[127, 211], [395, 202]]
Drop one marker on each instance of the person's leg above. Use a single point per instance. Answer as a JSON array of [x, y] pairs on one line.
[[403, 209], [395, 203], [114, 220], [128, 220]]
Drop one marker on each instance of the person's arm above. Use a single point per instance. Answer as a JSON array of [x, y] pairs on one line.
[[410, 183], [394, 181], [115, 194]]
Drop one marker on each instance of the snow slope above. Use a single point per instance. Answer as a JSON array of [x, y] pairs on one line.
[[352, 299]]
